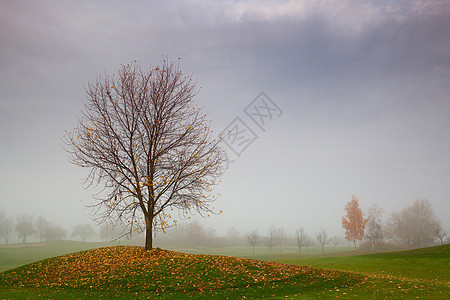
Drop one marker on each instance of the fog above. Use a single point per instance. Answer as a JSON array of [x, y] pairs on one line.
[[359, 92]]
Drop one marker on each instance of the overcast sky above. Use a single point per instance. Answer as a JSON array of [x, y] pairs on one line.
[[361, 91]]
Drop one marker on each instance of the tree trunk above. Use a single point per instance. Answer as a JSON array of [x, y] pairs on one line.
[[323, 249], [148, 235], [354, 245]]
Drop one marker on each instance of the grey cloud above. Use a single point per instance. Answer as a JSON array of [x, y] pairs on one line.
[[365, 100]]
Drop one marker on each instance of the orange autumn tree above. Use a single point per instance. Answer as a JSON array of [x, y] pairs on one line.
[[148, 148], [353, 222]]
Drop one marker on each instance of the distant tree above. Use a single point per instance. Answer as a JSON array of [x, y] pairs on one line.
[[42, 227], [180, 231], [107, 233], [271, 238], [414, 225], [6, 226], [142, 137], [439, 232], [309, 242], [335, 241], [25, 227], [302, 239], [353, 222], [54, 232], [195, 231], [322, 238], [253, 238], [197, 234], [374, 227], [83, 231], [210, 233], [48, 231], [112, 232], [233, 235], [280, 238]]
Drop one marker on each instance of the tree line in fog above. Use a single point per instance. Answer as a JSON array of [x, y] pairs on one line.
[[25, 226], [414, 226]]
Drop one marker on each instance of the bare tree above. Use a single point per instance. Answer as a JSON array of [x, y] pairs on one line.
[[48, 231], [84, 231], [25, 227], [439, 232], [302, 239], [322, 238], [42, 226], [281, 238], [271, 238], [309, 242], [414, 225], [374, 227], [6, 226], [233, 233], [196, 232], [110, 232], [233, 236], [253, 238], [143, 139], [335, 241]]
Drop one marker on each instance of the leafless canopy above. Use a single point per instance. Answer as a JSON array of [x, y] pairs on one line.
[[439, 232], [83, 231], [322, 238], [374, 228], [302, 239], [271, 237], [6, 226], [413, 226], [144, 141], [25, 227], [253, 238]]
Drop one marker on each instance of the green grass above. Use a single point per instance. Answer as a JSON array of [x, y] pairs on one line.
[[260, 251], [419, 273], [429, 264], [130, 272], [14, 256]]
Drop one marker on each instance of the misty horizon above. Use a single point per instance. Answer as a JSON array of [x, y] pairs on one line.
[[357, 99]]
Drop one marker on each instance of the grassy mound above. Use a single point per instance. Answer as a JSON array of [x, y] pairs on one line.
[[424, 264], [127, 271], [436, 250]]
